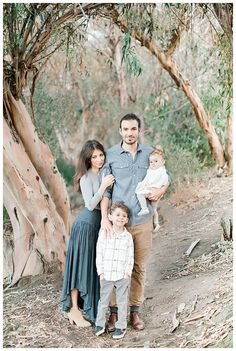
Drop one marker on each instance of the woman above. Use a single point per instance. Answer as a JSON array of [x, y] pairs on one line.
[[81, 282]]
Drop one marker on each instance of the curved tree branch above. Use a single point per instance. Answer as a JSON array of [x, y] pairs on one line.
[[170, 66]]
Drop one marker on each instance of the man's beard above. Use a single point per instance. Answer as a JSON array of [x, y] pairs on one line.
[[130, 142]]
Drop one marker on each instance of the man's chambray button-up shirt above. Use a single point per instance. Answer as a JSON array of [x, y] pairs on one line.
[[127, 172]]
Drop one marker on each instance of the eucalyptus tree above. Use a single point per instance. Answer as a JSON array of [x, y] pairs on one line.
[[224, 38], [161, 37], [35, 195]]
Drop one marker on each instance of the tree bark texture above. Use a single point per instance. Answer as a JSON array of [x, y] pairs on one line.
[[20, 258], [41, 157], [35, 195]]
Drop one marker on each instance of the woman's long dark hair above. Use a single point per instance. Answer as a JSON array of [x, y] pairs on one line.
[[84, 162]]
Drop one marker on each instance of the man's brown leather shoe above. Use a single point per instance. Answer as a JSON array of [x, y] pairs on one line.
[[111, 323], [136, 322]]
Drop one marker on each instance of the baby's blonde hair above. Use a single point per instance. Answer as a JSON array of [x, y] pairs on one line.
[[158, 150]]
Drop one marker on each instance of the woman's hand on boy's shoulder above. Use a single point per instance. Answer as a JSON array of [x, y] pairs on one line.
[[106, 226]]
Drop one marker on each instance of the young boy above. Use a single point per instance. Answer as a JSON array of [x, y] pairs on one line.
[[156, 177], [114, 260]]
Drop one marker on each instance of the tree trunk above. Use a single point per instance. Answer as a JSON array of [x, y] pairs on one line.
[[224, 13], [35, 195], [117, 54], [201, 114], [229, 146], [20, 258], [85, 117], [226, 223], [41, 157]]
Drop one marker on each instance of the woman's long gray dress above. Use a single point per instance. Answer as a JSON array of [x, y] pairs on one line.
[[80, 267]]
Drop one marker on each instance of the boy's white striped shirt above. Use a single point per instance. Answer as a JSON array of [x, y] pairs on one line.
[[115, 255]]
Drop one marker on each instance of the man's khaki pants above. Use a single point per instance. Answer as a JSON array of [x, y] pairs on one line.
[[142, 236]]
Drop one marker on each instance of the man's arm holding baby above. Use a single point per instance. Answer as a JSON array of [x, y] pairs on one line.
[[157, 193]]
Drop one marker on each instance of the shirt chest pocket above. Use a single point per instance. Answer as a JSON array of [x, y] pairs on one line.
[[120, 170]]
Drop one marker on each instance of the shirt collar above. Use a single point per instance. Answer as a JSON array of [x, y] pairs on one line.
[[119, 234], [121, 150]]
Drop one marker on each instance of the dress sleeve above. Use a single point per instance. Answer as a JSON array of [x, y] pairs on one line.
[[91, 200]]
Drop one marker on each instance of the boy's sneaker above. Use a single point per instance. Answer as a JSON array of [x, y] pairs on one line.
[[143, 212], [99, 330], [119, 333]]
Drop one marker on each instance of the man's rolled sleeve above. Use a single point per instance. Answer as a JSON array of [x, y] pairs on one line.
[[106, 170]]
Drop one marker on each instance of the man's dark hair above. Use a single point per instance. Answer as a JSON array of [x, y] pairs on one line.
[[130, 117]]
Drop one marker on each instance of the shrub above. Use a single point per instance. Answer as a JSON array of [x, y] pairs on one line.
[[66, 169]]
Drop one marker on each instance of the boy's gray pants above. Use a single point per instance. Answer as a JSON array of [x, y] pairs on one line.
[[122, 289]]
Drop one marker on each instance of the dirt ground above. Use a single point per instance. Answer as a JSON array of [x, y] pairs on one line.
[[189, 299]]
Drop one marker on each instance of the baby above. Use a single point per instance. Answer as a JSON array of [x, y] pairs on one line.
[[156, 177]]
